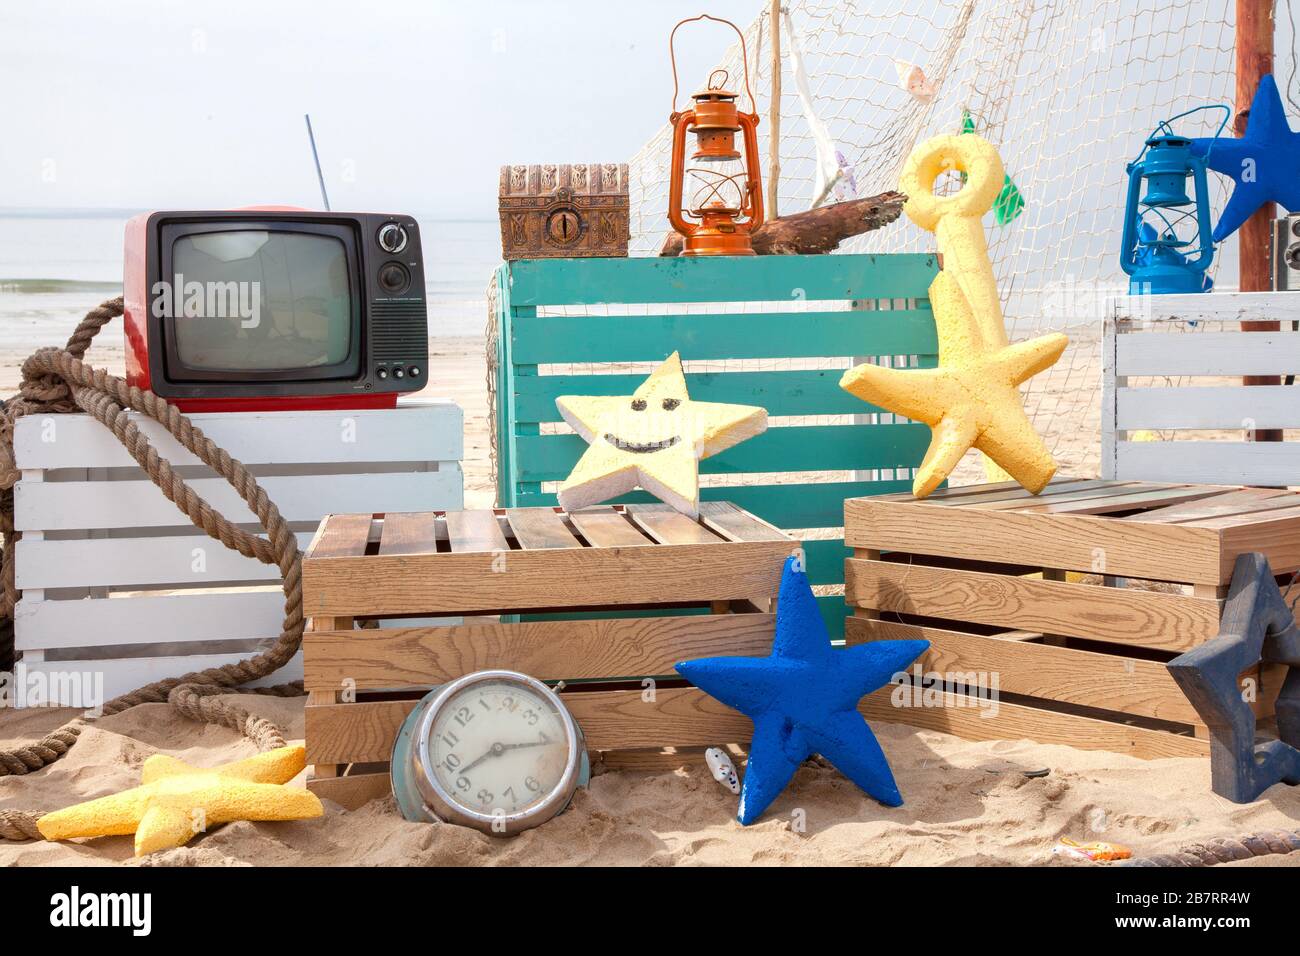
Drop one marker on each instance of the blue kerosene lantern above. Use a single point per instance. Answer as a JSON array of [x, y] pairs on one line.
[[1167, 245]]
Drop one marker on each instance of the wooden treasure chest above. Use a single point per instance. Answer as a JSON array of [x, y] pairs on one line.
[[563, 211]]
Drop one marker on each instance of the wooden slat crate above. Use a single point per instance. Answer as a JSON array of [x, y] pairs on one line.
[[775, 331], [626, 592], [984, 573], [1173, 366], [116, 582]]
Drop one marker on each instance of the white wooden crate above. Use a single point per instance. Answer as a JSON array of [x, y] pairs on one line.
[[116, 581], [1183, 342]]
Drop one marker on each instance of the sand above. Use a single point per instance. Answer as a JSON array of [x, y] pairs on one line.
[[967, 803]]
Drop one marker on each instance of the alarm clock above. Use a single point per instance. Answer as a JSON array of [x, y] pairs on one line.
[[495, 750]]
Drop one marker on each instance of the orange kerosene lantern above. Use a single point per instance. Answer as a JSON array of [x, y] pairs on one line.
[[726, 202]]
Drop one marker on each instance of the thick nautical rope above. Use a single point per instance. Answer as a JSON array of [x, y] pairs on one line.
[[57, 381], [1224, 850]]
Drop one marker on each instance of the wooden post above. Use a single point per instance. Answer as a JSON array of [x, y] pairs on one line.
[[774, 112], [1254, 60]]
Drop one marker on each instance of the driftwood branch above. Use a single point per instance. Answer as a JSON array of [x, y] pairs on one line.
[[817, 230]]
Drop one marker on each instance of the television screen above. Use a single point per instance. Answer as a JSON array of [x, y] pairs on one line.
[[261, 301]]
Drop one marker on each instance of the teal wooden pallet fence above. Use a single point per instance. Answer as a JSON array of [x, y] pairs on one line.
[[526, 458]]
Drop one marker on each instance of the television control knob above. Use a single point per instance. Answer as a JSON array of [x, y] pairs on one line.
[[414, 371], [398, 373], [381, 373], [392, 238], [394, 278]]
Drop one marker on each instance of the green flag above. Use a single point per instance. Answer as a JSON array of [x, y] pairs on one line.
[[1009, 203]]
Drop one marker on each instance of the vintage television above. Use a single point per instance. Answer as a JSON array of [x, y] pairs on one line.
[[273, 308]]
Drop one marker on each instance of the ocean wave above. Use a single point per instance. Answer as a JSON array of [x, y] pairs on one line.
[[48, 286]]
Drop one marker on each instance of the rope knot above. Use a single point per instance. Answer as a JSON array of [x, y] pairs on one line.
[[42, 388]]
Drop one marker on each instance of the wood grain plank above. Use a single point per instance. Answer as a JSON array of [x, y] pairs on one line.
[[1016, 722], [342, 536], [1207, 353], [1211, 462], [605, 649], [1002, 491], [1124, 502], [1087, 678], [608, 528], [687, 717], [423, 430], [1068, 542], [736, 524], [539, 529], [671, 527], [1277, 536], [554, 578], [611, 720], [955, 490], [1285, 515], [304, 496], [351, 792], [1086, 489], [411, 533], [1227, 502], [470, 531], [1180, 309], [1173, 622], [1227, 407]]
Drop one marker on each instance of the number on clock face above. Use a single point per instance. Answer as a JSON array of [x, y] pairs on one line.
[[498, 747]]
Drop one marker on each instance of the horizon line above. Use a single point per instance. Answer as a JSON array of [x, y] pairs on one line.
[[117, 212]]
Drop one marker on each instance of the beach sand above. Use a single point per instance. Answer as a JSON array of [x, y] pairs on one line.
[[966, 802]]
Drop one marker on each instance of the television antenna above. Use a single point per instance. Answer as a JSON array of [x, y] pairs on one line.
[[315, 158]]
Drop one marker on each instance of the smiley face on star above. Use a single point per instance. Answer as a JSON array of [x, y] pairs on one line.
[[651, 439]]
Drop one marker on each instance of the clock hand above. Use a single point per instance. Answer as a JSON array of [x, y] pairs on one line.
[[492, 751], [499, 748], [528, 743]]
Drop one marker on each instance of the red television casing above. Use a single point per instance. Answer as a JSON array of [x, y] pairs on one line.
[[402, 346]]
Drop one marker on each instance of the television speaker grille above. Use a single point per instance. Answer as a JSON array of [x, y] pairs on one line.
[[399, 331]]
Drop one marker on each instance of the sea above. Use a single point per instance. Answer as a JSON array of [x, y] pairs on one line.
[[57, 264]]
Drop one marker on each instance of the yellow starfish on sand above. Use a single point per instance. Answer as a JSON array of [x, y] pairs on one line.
[[176, 801], [652, 438], [971, 400]]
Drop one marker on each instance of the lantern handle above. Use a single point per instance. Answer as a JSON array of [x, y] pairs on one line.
[[744, 57], [1165, 126]]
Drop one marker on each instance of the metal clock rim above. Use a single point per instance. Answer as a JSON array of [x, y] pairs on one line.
[[447, 808]]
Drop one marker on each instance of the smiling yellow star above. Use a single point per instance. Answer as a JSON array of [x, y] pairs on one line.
[[652, 438], [175, 801]]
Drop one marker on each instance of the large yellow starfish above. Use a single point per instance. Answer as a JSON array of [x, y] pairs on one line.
[[653, 438], [971, 400], [176, 801]]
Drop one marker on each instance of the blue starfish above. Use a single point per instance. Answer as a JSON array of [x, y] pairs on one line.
[[803, 699], [1264, 163]]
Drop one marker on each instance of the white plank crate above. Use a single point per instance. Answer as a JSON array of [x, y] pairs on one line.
[[115, 580], [1162, 336]]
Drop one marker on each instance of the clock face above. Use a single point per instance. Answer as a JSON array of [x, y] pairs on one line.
[[498, 747]]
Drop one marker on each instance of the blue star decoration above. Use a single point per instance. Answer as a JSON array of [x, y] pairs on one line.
[[1264, 163], [803, 699]]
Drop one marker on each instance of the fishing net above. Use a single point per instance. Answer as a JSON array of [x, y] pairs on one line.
[[1067, 91]]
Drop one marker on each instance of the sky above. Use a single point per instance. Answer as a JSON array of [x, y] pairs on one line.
[[143, 104]]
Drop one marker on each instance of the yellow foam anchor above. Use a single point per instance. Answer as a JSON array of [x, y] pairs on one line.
[[971, 400]]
